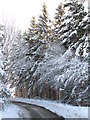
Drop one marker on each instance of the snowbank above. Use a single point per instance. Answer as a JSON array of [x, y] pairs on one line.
[[13, 111], [64, 110], [10, 112]]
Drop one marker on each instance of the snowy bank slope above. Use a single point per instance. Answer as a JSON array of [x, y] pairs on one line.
[[13, 111], [64, 110]]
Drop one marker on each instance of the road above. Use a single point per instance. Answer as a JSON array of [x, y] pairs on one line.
[[38, 112]]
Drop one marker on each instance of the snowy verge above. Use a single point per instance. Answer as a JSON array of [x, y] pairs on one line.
[[14, 111], [11, 111], [64, 110]]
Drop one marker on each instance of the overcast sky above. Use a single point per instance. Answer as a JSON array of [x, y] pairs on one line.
[[23, 10]]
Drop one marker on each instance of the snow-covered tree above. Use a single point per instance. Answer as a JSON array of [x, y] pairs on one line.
[[57, 71], [18, 62], [70, 32], [37, 35], [31, 32], [58, 21], [4, 93], [62, 74], [43, 25]]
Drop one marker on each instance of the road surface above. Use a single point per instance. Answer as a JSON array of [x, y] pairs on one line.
[[38, 112]]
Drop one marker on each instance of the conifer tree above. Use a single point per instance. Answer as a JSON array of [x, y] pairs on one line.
[[69, 32], [58, 15], [4, 93], [31, 33], [43, 25]]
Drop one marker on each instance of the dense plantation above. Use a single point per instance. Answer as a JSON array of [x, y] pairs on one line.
[[50, 60]]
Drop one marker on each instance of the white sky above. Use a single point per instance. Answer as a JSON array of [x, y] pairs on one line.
[[23, 10]]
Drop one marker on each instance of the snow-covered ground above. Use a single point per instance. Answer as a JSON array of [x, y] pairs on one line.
[[64, 110], [13, 111]]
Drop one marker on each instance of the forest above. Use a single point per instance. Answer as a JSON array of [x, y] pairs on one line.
[[50, 59]]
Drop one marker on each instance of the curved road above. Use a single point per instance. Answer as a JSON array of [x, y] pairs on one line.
[[38, 112]]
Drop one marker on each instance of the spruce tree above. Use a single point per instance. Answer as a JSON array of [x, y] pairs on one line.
[[43, 25], [31, 32], [4, 93], [57, 22], [38, 37], [69, 31]]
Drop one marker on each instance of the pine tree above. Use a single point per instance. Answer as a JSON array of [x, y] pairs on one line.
[[4, 93], [57, 24], [39, 35], [37, 46], [69, 32], [43, 25], [32, 30]]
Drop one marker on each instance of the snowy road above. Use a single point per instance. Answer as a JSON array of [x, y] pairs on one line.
[[38, 112]]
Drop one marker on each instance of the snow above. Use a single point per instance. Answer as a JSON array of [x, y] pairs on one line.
[[60, 67], [86, 5], [64, 110], [84, 46], [1, 37], [10, 112], [73, 33], [1, 61], [12, 90], [14, 111]]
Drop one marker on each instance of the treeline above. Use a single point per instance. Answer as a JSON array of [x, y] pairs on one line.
[[69, 30]]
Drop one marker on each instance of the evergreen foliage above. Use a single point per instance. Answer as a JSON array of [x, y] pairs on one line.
[[4, 93], [43, 25], [58, 21], [52, 63]]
